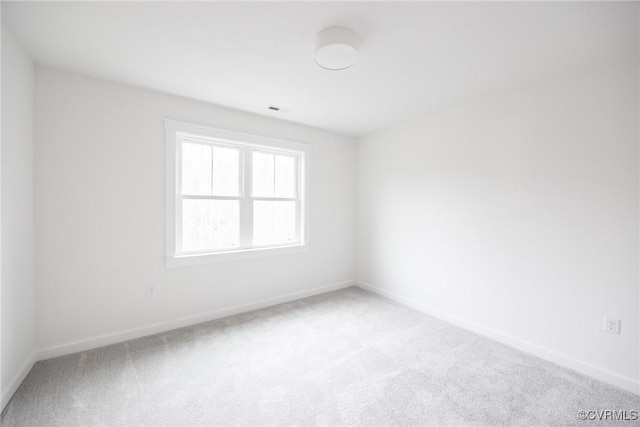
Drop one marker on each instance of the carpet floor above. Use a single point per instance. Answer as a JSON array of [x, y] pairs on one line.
[[343, 358]]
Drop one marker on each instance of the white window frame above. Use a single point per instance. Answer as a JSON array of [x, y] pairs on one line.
[[175, 133]]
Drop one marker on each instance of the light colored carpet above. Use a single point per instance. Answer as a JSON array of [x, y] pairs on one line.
[[344, 358]]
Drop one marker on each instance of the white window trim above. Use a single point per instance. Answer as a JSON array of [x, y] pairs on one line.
[[175, 129]]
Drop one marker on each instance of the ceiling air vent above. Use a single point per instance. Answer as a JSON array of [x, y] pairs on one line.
[[279, 109]]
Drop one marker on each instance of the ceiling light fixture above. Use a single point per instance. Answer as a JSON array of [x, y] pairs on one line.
[[336, 48]]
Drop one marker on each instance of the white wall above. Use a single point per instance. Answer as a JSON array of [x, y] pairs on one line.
[[516, 216], [18, 285], [100, 220]]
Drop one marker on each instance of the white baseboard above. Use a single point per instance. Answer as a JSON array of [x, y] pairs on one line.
[[17, 379], [108, 339], [587, 369]]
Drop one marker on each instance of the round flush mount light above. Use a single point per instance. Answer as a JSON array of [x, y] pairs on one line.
[[336, 48]]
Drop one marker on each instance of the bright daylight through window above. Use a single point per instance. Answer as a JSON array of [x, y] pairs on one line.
[[231, 195]]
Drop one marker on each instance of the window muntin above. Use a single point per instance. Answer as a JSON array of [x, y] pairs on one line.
[[274, 174], [232, 195]]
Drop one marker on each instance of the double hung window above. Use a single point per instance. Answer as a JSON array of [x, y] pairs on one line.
[[230, 194]]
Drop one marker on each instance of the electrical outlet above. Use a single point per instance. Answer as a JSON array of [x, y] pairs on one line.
[[151, 290], [612, 325]]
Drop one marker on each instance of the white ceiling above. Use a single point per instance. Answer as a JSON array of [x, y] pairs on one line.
[[416, 58]]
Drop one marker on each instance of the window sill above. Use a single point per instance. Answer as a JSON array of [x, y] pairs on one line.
[[213, 258]]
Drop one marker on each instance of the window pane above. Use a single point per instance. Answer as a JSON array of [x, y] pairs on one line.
[[210, 224], [274, 222], [226, 171], [263, 174], [196, 169], [285, 176]]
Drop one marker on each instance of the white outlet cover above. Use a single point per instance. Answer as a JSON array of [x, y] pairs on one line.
[[151, 290], [611, 325]]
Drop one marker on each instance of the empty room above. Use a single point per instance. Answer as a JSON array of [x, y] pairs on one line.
[[320, 213]]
